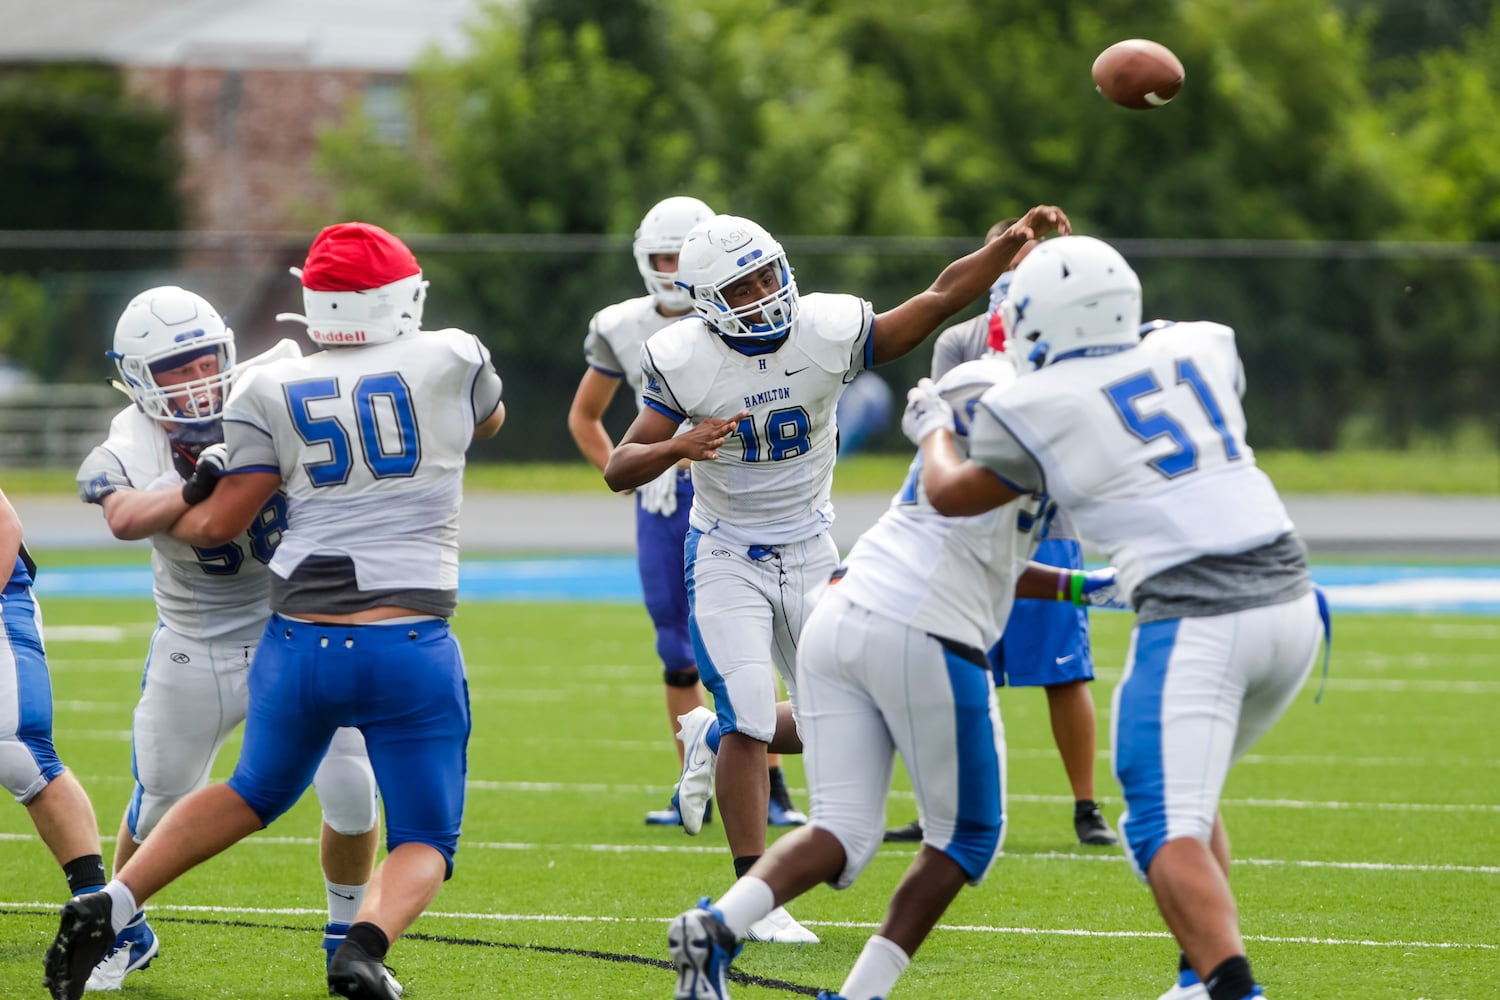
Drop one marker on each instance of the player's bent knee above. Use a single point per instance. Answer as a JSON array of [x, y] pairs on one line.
[[685, 677], [348, 794], [975, 846], [22, 774], [444, 844], [1144, 840]]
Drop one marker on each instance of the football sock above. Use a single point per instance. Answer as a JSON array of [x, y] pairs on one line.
[[747, 901], [779, 793], [85, 873], [122, 905], [875, 971], [343, 902], [1185, 974], [1232, 980], [370, 938], [743, 865]]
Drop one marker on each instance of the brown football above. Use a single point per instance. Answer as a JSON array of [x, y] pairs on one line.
[[1138, 73]]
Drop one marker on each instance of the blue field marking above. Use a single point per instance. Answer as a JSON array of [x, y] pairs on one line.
[[1351, 589]]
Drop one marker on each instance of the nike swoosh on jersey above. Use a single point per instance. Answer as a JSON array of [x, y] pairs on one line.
[[797, 371], [1064, 659]]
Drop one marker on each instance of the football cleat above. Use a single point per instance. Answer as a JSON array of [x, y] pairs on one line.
[[702, 950], [353, 973], [1089, 824], [784, 814], [134, 948], [1186, 991], [696, 784], [780, 927], [664, 817], [83, 938], [911, 833]]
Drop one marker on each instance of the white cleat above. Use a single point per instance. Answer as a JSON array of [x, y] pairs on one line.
[[1197, 991], [696, 784], [780, 927]]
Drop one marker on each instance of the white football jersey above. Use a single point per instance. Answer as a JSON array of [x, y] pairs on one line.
[[205, 593], [953, 577], [1144, 446], [369, 443], [772, 479], [616, 333]]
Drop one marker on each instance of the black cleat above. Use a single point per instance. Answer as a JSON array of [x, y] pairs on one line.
[[83, 938], [353, 973], [1089, 824], [911, 833]]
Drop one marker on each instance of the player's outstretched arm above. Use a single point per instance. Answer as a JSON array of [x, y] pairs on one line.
[[899, 330], [236, 501], [649, 448]]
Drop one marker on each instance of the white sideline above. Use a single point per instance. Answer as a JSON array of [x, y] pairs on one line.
[[887, 854], [848, 924]]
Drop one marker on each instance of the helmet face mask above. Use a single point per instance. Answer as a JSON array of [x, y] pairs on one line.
[[1072, 295], [175, 356], [717, 255], [663, 231]]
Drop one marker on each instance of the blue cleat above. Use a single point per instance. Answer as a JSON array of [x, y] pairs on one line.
[[702, 950], [134, 948], [784, 814]]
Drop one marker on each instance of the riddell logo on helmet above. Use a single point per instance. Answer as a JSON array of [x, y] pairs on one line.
[[340, 336]]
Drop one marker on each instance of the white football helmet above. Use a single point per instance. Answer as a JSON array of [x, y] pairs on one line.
[[721, 251], [1071, 295], [663, 230], [372, 316], [165, 328]]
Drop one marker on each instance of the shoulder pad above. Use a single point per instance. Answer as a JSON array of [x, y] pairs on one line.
[[830, 325], [686, 357], [284, 349], [613, 317]]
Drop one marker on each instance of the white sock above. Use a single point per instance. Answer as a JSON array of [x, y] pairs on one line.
[[343, 902], [122, 908], [747, 901], [875, 971]]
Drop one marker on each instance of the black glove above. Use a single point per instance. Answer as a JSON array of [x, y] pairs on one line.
[[206, 474]]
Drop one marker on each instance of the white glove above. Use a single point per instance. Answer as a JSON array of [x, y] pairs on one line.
[[1099, 589], [660, 495], [926, 411]]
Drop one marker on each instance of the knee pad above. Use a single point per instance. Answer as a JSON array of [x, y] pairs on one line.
[[347, 792], [682, 678], [22, 774]]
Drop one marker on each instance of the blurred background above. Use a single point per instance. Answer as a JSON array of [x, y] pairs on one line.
[[1327, 181]]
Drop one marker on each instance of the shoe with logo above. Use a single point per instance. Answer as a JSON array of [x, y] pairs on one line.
[[83, 938], [134, 948], [353, 973], [702, 949], [696, 785], [780, 927]]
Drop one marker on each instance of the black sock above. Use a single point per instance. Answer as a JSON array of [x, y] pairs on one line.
[[85, 873], [371, 939], [1183, 965], [779, 793], [1231, 979], [743, 865]]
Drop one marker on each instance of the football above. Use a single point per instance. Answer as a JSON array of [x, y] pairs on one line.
[[1138, 73]]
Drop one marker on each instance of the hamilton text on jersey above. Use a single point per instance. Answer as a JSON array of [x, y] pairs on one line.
[[769, 396]]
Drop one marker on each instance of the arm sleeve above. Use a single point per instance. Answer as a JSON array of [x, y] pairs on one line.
[[992, 445]]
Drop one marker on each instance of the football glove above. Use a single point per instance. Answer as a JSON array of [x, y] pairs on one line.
[[659, 496], [926, 411], [206, 474], [1095, 588]]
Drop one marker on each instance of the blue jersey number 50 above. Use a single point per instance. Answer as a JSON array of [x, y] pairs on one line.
[[386, 424]]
